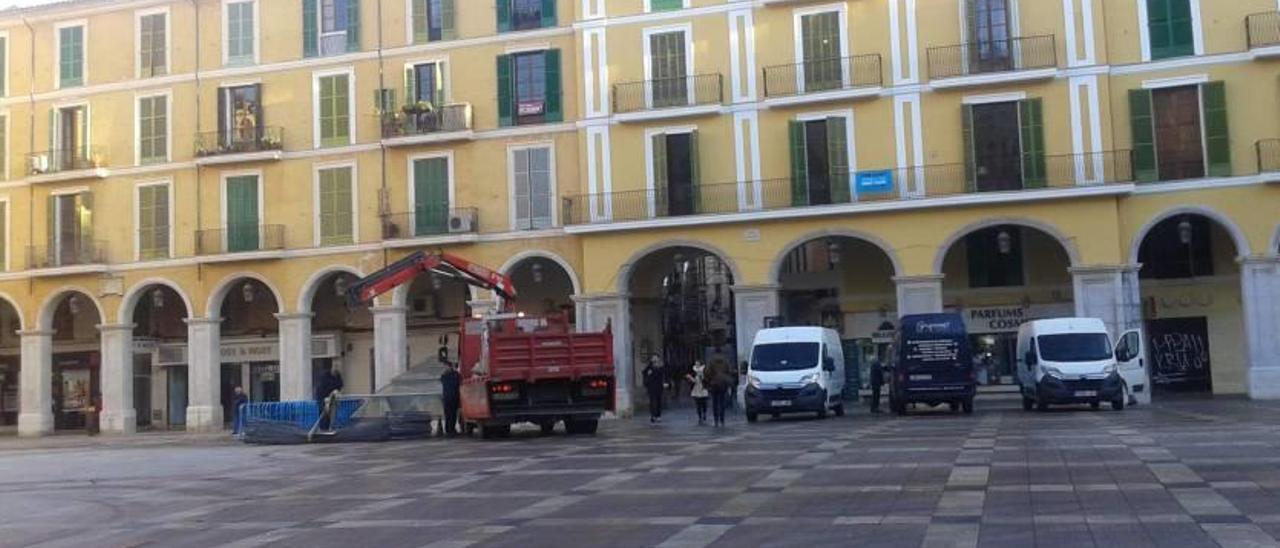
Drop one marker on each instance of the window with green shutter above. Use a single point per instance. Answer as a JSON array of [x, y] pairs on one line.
[[153, 222], [4, 235], [335, 110], [1217, 138], [665, 5], [330, 27], [240, 36], [4, 65], [1031, 121], [669, 69], [1169, 26], [529, 88], [431, 196], [242, 214], [799, 163], [525, 14], [152, 45], [335, 207], [4, 147], [820, 38], [153, 129], [1142, 128], [71, 56], [432, 20]]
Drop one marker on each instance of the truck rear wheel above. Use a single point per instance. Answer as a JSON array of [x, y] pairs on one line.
[[967, 405], [490, 431], [547, 427], [581, 426]]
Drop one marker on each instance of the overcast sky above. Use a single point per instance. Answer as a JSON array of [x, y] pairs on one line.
[[23, 3]]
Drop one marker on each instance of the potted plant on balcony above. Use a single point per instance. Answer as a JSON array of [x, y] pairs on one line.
[[420, 115]]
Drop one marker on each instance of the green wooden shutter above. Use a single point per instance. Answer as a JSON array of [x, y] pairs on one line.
[[50, 232], [695, 172], [431, 196], [504, 15], [71, 56], [1217, 138], [4, 236], [506, 92], [335, 207], [82, 125], [1170, 28], [838, 170], [664, 5], [1031, 117], [410, 85], [548, 13], [448, 24], [799, 164], [84, 222], [353, 25], [661, 182], [242, 213], [4, 67], [4, 145], [970, 156], [418, 18], [554, 110], [310, 28], [1142, 124]]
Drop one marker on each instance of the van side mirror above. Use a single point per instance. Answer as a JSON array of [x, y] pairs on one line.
[[1031, 359], [829, 364]]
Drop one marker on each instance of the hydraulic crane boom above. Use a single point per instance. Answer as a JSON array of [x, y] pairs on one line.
[[405, 270]]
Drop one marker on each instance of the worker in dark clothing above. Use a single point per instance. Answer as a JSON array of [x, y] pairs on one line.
[[330, 384], [655, 381], [238, 400], [720, 380], [451, 397], [876, 381]]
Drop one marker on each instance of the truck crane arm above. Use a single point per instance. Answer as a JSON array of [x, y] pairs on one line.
[[405, 270]]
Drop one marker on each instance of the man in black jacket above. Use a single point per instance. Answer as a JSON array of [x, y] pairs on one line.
[[451, 397]]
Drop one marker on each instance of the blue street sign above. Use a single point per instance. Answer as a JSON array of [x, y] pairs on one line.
[[875, 181]]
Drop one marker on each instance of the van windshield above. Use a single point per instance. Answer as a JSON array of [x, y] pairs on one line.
[[784, 356], [1075, 347]]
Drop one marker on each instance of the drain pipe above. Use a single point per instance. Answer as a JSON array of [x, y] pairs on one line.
[[384, 196], [199, 111], [31, 147]]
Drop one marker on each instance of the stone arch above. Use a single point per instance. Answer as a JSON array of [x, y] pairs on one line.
[[213, 310], [775, 270], [17, 310], [541, 254], [626, 270], [50, 304], [1067, 243], [1237, 236], [135, 293], [312, 284]]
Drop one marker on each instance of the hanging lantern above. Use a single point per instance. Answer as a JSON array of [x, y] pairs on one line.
[[436, 283], [340, 286], [537, 273], [248, 292], [833, 252], [157, 298], [73, 304], [1184, 231], [1004, 242]]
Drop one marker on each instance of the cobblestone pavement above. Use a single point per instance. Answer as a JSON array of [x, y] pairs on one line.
[[1187, 473]]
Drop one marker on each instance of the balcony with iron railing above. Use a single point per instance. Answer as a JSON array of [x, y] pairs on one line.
[[417, 123], [993, 61], [1263, 33], [74, 252], [905, 186], [430, 221], [823, 80], [1268, 155], [67, 164], [240, 239], [240, 145], [682, 96]]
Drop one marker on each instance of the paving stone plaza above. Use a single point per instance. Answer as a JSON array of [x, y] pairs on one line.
[[1183, 473]]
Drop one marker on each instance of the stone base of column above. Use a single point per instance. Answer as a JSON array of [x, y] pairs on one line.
[[1264, 383], [206, 418], [124, 422], [32, 425]]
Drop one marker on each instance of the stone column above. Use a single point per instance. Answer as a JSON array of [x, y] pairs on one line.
[[919, 294], [1260, 293], [118, 414], [1110, 293], [35, 416], [295, 356], [390, 340], [204, 374], [751, 305], [613, 310]]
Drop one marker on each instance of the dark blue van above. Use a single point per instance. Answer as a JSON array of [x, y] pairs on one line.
[[931, 363]]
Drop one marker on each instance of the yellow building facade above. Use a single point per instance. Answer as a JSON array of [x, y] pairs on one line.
[[190, 185]]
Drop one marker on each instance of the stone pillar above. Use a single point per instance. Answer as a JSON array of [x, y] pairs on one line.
[[919, 294], [751, 305], [118, 414], [204, 374], [295, 356], [35, 416], [1260, 293], [390, 340], [1110, 293], [613, 310]]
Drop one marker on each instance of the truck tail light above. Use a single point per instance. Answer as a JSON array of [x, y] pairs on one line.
[[598, 384], [504, 391]]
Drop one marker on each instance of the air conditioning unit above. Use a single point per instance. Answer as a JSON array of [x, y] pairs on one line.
[[39, 163], [462, 222]]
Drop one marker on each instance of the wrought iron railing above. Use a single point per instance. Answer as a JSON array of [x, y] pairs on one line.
[[65, 159], [73, 252], [239, 141], [239, 239], [860, 71], [992, 56], [153, 243], [1263, 29], [900, 184], [1268, 155], [423, 119], [683, 91], [430, 221]]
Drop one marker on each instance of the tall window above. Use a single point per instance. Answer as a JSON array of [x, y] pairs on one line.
[[334, 110], [820, 171], [71, 56], [1181, 132], [330, 27], [431, 195], [1170, 28], [242, 213], [70, 229], [153, 57], [433, 20], [526, 14], [4, 65], [240, 117], [531, 170], [529, 88], [1004, 146], [335, 206], [4, 146], [69, 129], [153, 221], [675, 173], [4, 235], [995, 257], [821, 40], [153, 129], [669, 69], [424, 83], [240, 35], [989, 34]]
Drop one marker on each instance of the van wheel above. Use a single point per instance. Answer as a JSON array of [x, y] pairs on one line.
[[955, 406], [1118, 404], [752, 417], [839, 410], [1027, 403], [822, 413], [549, 427], [1095, 405], [967, 404]]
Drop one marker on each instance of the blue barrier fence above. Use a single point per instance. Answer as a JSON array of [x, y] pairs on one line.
[[302, 414]]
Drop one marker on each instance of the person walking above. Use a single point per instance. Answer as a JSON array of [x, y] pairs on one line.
[[719, 382], [450, 397], [697, 378], [876, 381], [330, 385], [655, 381], [238, 400]]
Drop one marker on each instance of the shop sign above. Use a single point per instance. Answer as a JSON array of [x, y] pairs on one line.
[[250, 351], [1007, 319], [883, 336], [874, 181]]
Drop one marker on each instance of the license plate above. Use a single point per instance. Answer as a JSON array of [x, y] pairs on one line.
[[781, 403], [1086, 393], [921, 377]]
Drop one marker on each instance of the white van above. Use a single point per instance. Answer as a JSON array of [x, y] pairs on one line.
[[795, 370], [1072, 360]]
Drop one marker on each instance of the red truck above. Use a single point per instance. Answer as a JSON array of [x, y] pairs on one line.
[[515, 368]]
